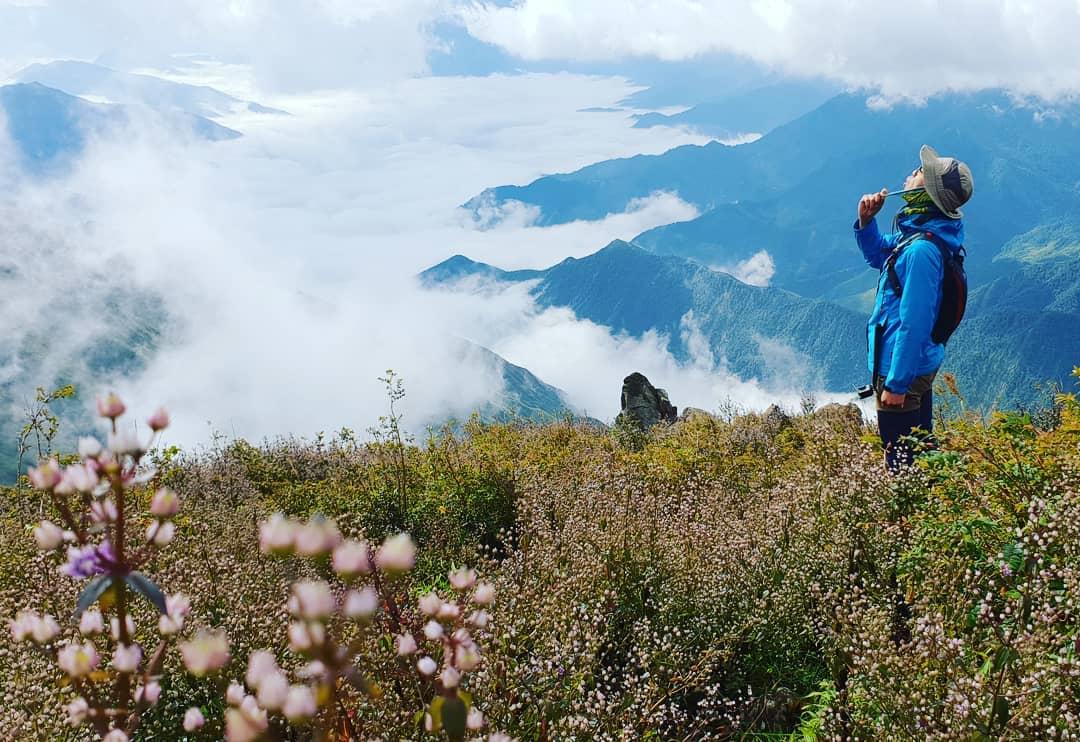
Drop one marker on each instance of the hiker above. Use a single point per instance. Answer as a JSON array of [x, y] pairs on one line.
[[905, 340]]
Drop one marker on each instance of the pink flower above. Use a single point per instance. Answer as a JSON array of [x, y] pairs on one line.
[[475, 719], [273, 688], [159, 420], [114, 627], [300, 704], [103, 511], [303, 636], [126, 441], [80, 478], [397, 554], [78, 660], [48, 535], [479, 618], [261, 664], [46, 476], [160, 533], [499, 737], [87, 561], [193, 719], [89, 448], [430, 604], [462, 579], [484, 593], [164, 504], [206, 653], [426, 666], [277, 535], [362, 604], [449, 611], [91, 622], [77, 711], [351, 559], [177, 604], [126, 658], [317, 537], [115, 735], [234, 696], [41, 629], [311, 599], [111, 406], [22, 625], [450, 677], [245, 725], [433, 630], [405, 644], [466, 656], [149, 693]]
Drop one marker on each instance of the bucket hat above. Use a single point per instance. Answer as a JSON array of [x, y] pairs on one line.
[[948, 181]]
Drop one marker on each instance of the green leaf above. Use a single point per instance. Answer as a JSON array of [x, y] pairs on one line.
[[453, 718], [436, 712], [1001, 710], [145, 587], [92, 592]]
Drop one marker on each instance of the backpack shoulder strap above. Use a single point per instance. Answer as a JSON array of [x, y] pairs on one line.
[[946, 254]]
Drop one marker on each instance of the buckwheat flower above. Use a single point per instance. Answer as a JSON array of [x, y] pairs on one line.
[[77, 711], [351, 559], [272, 691], [405, 644], [46, 476], [193, 719], [48, 535], [426, 666], [126, 658], [103, 511], [160, 533], [234, 696], [45, 629], [277, 535], [125, 441], [159, 420], [484, 593], [462, 579], [479, 619], [110, 406], [317, 537], [430, 604], [149, 693], [397, 554], [300, 704], [311, 599], [115, 735], [77, 660], [91, 622], [475, 719], [449, 611], [450, 677], [466, 657], [205, 653], [164, 504], [114, 627], [261, 664], [361, 604], [89, 448], [80, 478], [433, 630]]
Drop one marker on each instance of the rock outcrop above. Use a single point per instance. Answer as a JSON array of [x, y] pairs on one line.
[[645, 404]]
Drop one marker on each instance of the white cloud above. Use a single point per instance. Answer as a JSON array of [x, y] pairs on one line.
[[912, 48], [757, 270]]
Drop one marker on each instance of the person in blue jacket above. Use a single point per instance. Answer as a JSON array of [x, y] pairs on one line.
[[902, 357]]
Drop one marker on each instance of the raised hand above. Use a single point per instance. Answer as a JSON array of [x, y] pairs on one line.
[[870, 205]]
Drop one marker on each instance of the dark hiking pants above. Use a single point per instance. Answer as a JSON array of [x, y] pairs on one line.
[[895, 423]]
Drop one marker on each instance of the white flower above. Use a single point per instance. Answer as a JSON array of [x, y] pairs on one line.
[[475, 719], [430, 604], [89, 448], [467, 656], [126, 441], [80, 478], [433, 630], [311, 599], [397, 554], [114, 627], [77, 711], [405, 644], [479, 619], [484, 594], [126, 658], [149, 692], [45, 629], [77, 660], [193, 719], [273, 689], [116, 735], [450, 677], [207, 652], [462, 579], [300, 703], [277, 535], [234, 696], [91, 622], [426, 666], [160, 533], [351, 559], [362, 604], [449, 611], [317, 537], [164, 504], [499, 737], [261, 664]]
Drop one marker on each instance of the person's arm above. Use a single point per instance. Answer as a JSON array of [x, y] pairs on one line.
[[922, 282], [875, 246]]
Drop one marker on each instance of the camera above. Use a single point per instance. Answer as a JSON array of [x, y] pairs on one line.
[[865, 391]]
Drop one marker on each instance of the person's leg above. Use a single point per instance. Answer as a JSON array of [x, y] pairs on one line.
[[894, 425]]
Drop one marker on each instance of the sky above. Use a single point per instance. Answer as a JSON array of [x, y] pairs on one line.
[[285, 259]]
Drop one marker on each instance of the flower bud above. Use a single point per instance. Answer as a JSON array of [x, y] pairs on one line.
[[277, 535], [467, 657], [317, 537], [103, 511], [77, 711], [303, 636], [89, 448], [475, 719], [261, 664], [126, 658], [46, 476], [159, 420], [361, 604], [311, 599], [110, 406], [114, 627], [193, 719], [80, 478], [245, 724], [426, 666], [484, 594], [206, 653], [148, 693], [160, 533], [48, 535], [78, 660], [450, 677], [479, 619], [397, 554], [126, 441], [45, 629], [91, 622], [273, 689], [433, 630], [405, 644], [351, 559], [115, 735], [234, 696], [449, 611], [164, 504], [300, 704], [462, 579], [430, 604]]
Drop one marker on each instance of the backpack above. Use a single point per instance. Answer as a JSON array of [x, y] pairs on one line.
[[954, 285]]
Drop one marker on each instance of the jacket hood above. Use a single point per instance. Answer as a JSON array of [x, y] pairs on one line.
[[950, 231]]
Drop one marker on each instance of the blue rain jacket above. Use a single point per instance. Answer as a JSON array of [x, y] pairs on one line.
[[906, 348]]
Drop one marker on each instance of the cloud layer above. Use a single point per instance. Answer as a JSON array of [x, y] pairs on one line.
[[911, 48]]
